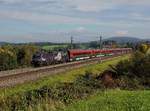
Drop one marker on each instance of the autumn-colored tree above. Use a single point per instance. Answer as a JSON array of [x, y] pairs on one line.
[[8, 59], [16, 56], [25, 53], [143, 48]]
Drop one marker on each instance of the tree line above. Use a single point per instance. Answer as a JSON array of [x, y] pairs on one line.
[[19, 56], [16, 56]]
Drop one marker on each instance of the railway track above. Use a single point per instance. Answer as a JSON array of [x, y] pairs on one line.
[[12, 79]]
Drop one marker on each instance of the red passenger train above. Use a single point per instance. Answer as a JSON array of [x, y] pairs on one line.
[[77, 54], [45, 58]]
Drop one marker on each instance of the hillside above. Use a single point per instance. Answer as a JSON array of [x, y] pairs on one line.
[[118, 39], [2, 43], [124, 39]]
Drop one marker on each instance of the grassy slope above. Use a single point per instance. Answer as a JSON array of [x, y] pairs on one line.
[[65, 77], [51, 47], [114, 100]]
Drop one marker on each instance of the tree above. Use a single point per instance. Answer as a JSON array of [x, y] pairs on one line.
[[143, 48], [8, 59], [25, 53], [94, 45], [137, 67]]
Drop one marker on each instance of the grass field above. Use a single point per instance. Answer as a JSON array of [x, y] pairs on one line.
[[65, 77], [52, 47], [114, 100]]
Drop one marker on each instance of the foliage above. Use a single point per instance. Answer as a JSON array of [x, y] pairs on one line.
[[8, 58], [138, 67], [69, 93], [25, 53], [94, 44], [143, 48], [16, 56], [64, 92]]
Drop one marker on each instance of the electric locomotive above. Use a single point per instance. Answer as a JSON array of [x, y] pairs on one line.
[[48, 58]]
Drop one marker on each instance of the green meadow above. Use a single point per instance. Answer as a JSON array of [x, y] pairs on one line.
[[114, 100], [52, 47]]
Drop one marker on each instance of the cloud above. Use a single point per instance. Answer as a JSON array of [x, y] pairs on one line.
[[87, 17], [26, 1], [101, 5], [80, 5], [89, 5], [140, 17], [43, 18], [121, 33], [80, 29]]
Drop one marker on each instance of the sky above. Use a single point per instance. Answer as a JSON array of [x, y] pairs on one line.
[[85, 20]]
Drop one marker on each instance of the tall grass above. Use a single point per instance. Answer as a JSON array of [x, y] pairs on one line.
[[114, 100]]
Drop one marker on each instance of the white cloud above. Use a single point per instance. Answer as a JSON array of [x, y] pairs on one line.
[[121, 33], [104, 15], [43, 18], [140, 16], [89, 5], [134, 2], [100, 5], [80, 29]]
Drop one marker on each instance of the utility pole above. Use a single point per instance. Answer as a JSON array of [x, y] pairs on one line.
[[100, 46], [71, 43], [100, 42]]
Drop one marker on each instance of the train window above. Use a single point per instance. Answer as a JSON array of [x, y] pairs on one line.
[[37, 56]]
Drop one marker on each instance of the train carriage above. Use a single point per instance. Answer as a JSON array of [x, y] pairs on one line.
[[44, 58], [86, 54]]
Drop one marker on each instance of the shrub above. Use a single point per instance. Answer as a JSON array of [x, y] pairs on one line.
[[137, 68], [16, 56], [8, 59], [25, 53], [63, 92]]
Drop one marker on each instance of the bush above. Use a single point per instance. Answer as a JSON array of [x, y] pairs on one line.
[[12, 57], [8, 59], [127, 83], [138, 67], [25, 53], [63, 92]]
